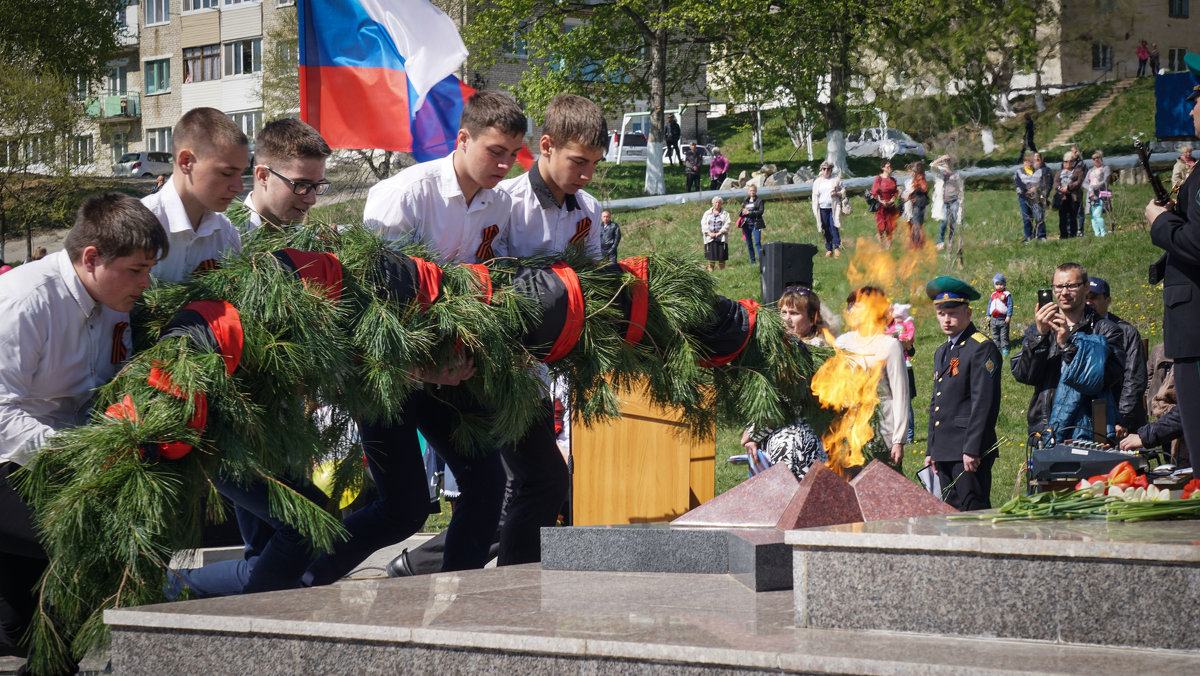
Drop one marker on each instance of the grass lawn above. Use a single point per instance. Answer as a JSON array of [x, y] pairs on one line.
[[992, 244]]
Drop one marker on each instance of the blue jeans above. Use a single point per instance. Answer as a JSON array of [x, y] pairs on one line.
[[948, 221], [753, 237], [394, 456], [1098, 226], [275, 555], [833, 239], [1031, 216]]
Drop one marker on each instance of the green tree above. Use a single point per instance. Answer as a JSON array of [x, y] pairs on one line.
[[67, 37], [45, 48], [34, 142], [280, 85], [612, 51], [815, 56]]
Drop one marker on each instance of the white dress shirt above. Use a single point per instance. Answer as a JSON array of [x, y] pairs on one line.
[[253, 219], [540, 225], [424, 203], [189, 248], [57, 344]]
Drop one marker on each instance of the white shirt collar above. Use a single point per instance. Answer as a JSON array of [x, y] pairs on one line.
[[79, 292], [177, 218]]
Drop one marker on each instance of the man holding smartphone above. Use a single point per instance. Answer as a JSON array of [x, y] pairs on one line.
[[1049, 346]]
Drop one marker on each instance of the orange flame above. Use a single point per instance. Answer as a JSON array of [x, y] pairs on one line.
[[850, 382]]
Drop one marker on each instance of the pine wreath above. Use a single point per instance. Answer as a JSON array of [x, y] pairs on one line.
[[336, 316]]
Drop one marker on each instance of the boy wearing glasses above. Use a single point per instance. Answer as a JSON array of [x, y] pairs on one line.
[[210, 154], [289, 174], [1049, 351]]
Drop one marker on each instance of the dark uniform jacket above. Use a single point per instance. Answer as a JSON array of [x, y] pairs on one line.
[[1178, 233], [1131, 395], [966, 397], [671, 133], [1039, 363]]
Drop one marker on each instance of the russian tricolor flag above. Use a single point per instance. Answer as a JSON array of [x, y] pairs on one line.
[[378, 74]]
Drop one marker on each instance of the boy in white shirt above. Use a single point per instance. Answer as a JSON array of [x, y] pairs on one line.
[[289, 174], [451, 205], [550, 213], [65, 332], [211, 152]]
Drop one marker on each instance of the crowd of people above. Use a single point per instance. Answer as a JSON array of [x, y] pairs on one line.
[[67, 327]]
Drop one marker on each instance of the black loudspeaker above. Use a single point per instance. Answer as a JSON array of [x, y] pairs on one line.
[[785, 264]]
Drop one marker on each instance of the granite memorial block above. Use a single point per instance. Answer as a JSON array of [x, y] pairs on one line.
[[883, 493], [822, 499]]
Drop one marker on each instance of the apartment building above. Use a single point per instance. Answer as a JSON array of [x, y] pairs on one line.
[[178, 55]]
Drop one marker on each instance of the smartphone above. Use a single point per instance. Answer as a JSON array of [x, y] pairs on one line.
[[1045, 296]]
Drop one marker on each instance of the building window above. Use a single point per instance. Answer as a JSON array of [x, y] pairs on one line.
[[516, 45], [158, 76], [1175, 59], [82, 88], [1177, 9], [201, 64], [241, 2], [157, 11], [243, 57], [1101, 56], [158, 140], [82, 150], [193, 5], [120, 146], [117, 81], [249, 122], [285, 3]]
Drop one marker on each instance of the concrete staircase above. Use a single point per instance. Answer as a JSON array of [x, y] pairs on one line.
[[1064, 136]]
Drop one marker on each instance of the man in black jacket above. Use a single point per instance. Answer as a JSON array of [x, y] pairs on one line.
[[1048, 344], [1176, 229], [671, 134], [1131, 397], [966, 400]]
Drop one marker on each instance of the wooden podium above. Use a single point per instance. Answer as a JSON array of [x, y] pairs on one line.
[[644, 467]]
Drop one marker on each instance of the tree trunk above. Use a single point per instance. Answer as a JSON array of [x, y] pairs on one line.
[[835, 115], [655, 184]]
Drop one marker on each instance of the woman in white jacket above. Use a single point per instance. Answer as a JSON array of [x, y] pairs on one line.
[[947, 198], [827, 196], [714, 226]]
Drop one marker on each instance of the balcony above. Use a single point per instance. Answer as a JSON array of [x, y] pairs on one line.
[[115, 107]]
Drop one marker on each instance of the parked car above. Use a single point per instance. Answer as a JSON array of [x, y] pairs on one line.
[[144, 164], [868, 142], [632, 146]]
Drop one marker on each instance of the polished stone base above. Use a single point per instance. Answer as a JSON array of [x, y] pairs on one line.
[[740, 532], [1080, 581], [529, 621], [757, 557]]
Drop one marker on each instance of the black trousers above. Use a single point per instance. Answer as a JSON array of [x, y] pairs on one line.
[[966, 491], [1187, 390], [693, 182], [673, 149], [537, 488], [394, 456], [22, 562], [1068, 221]]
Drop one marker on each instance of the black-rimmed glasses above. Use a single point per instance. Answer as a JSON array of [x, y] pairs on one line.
[[798, 290], [1068, 287], [303, 187]]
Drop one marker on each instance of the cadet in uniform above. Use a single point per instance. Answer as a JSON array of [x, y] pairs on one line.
[[966, 399]]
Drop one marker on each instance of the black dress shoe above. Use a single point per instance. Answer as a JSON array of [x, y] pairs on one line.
[[399, 566]]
